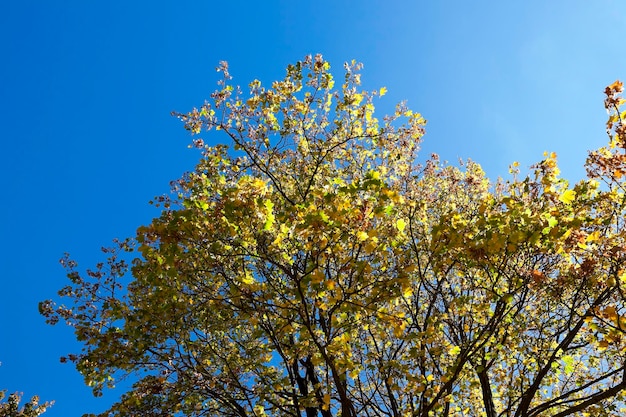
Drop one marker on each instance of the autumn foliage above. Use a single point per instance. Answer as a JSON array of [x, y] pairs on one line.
[[316, 265], [11, 406]]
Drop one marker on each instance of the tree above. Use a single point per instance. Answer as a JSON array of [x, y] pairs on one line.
[[311, 267], [11, 407]]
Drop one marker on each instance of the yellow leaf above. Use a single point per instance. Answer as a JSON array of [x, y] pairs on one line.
[[326, 404], [383, 91], [317, 276], [398, 328], [362, 236], [568, 196], [370, 247], [400, 224], [593, 236], [259, 184], [248, 278], [455, 350], [610, 312], [356, 99], [407, 292]]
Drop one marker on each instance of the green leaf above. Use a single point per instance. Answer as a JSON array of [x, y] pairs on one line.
[[569, 364]]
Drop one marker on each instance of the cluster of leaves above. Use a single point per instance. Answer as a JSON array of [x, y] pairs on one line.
[[11, 407], [312, 267]]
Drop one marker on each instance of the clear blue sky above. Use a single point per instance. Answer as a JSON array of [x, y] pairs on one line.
[[86, 90]]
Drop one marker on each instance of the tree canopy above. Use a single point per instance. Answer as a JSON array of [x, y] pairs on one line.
[[315, 265], [11, 407]]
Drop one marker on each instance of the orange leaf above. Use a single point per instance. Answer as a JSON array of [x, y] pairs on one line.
[[617, 86]]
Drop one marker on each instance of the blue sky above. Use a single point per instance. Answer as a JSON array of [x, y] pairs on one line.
[[87, 88]]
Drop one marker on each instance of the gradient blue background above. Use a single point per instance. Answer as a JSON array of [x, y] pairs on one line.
[[86, 89]]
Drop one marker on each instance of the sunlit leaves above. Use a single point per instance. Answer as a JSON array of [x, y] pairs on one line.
[[568, 196], [315, 265], [400, 224]]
